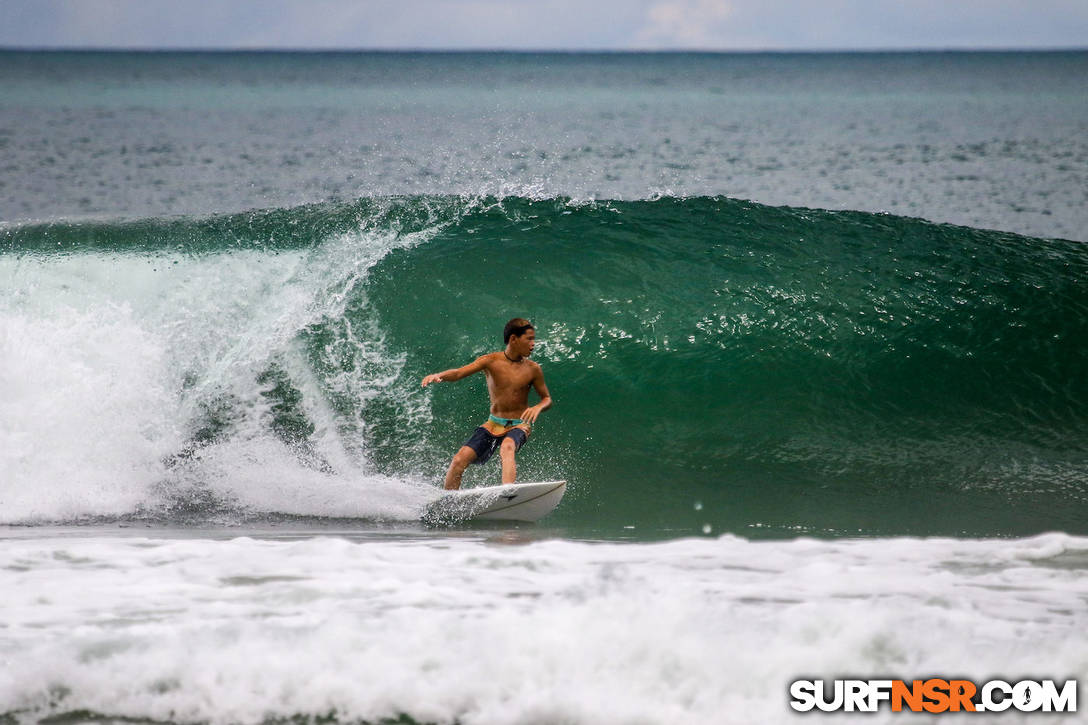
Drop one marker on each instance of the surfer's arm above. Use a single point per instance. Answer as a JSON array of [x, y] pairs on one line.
[[541, 389], [449, 376]]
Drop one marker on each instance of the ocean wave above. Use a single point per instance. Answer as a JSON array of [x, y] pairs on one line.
[[778, 368]]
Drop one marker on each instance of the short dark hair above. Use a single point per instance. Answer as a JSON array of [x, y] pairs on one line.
[[517, 326]]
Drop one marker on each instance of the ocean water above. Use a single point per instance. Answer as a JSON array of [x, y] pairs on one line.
[[990, 140], [815, 326]]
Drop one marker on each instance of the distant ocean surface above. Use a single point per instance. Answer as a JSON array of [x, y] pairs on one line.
[[990, 140], [798, 312]]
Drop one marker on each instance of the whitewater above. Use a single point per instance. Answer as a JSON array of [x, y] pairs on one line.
[[499, 629]]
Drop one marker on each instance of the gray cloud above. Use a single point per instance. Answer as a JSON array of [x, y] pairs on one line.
[[555, 24]]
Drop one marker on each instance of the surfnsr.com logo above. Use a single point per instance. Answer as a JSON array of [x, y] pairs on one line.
[[933, 695]]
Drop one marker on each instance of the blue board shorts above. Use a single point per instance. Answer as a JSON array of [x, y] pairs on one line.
[[486, 444]]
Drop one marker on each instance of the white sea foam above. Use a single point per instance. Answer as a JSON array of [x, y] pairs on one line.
[[459, 630], [109, 362], [85, 411]]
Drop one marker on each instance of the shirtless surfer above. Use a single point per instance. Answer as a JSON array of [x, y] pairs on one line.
[[510, 373]]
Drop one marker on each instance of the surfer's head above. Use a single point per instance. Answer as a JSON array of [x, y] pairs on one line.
[[520, 334]]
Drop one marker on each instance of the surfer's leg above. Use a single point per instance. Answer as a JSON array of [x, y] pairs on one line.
[[511, 442], [507, 452], [460, 462]]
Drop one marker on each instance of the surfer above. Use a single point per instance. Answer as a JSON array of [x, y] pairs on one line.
[[509, 373]]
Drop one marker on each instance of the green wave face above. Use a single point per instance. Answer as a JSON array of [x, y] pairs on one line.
[[715, 364], [720, 362]]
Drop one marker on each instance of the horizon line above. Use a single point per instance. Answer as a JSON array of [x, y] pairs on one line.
[[543, 51]]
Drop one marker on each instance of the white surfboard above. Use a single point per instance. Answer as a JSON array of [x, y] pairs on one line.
[[508, 502]]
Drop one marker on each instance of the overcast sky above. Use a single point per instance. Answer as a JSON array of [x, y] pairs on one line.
[[545, 24]]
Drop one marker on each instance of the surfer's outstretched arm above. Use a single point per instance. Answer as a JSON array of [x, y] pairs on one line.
[[449, 376]]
